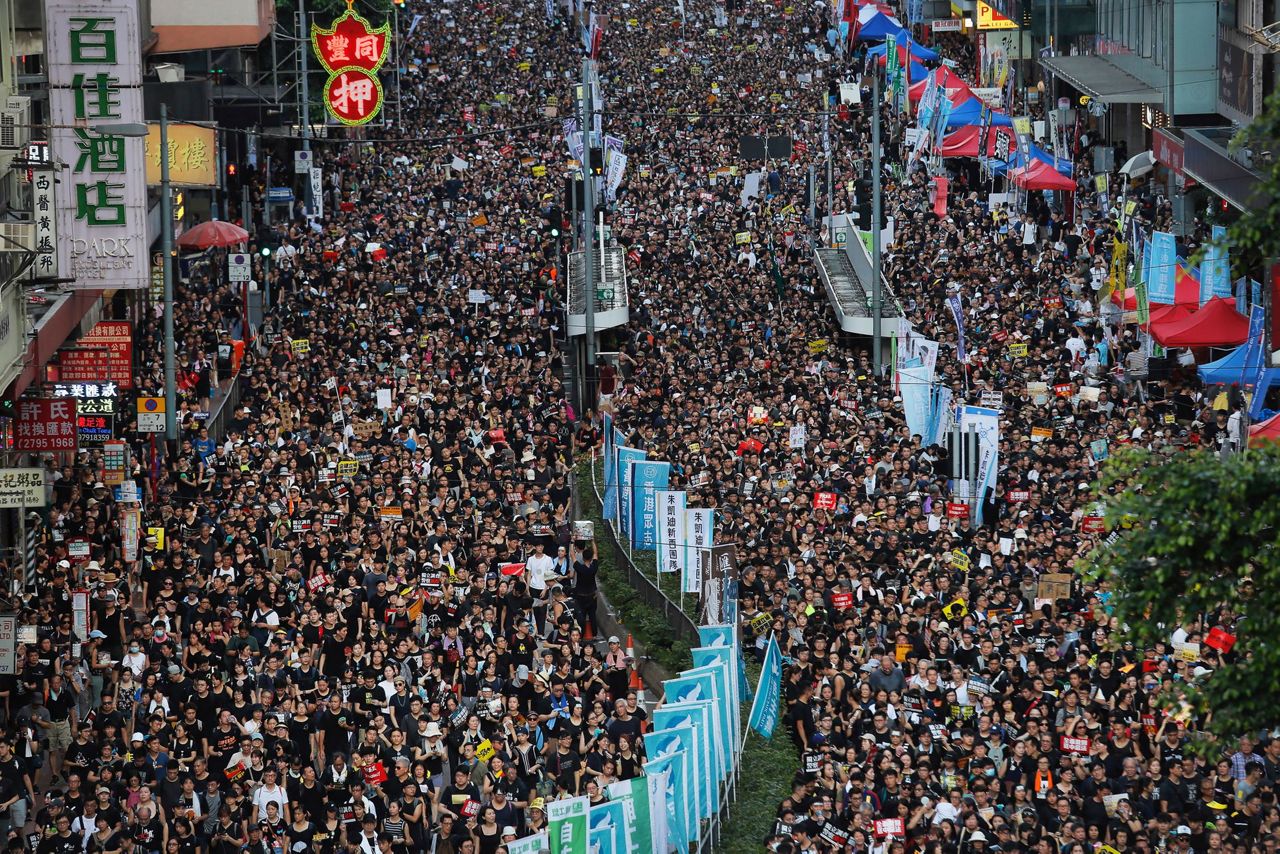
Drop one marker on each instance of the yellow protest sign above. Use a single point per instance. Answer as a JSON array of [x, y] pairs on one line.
[[158, 533], [348, 468], [955, 610], [524, 66], [742, 237], [1018, 349], [300, 345], [539, 171], [818, 346], [485, 751]]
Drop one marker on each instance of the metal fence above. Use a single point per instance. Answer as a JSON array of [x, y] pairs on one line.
[[681, 623], [683, 626]]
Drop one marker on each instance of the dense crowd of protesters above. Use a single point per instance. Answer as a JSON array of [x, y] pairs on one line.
[[405, 658]]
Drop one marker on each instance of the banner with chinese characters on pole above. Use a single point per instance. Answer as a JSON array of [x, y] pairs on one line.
[[93, 59], [352, 51]]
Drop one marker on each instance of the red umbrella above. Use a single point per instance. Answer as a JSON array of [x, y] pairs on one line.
[[215, 232]]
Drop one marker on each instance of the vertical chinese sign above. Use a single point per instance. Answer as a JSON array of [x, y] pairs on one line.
[[352, 52], [95, 79]]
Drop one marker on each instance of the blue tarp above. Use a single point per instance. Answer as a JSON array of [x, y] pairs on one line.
[[1017, 160], [918, 50], [879, 27], [969, 112], [1238, 367]]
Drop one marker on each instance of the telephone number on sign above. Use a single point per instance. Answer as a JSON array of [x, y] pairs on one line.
[[47, 443]]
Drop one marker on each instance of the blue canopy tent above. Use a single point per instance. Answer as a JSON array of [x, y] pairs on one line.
[[918, 50], [969, 112], [1238, 367], [880, 26], [1017, 160]]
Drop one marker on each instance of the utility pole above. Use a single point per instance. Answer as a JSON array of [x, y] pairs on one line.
[[588, 225], [166, 252], [876, 308], [831, 198], [304, 49]]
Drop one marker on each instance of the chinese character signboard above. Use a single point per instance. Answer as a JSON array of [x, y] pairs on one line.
[[106, 353], [47, 424], [95, 79], [352, 52], [193, 155], [46, 224], [21, 487]]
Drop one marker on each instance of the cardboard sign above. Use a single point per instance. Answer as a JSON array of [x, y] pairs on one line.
[[825, 500], [1018, 495], [1062, 390], [1018, 349], [485, 751], [300, 345], [1093, 525], [1039, 434], [1188, 652], [1074, 745], [959, 560], [742, 237], [957, 510], [758, 415], [842, 601], [348, 468], [1054, 586], [818, 346], [955, 610], [901, 651]]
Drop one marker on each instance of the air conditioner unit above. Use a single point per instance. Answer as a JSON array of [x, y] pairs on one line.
[[15, 123], [17, 236]]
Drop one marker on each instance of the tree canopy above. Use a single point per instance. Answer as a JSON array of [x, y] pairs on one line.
[[1193, 543]]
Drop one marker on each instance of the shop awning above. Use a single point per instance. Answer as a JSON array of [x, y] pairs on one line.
[[1099, 77]]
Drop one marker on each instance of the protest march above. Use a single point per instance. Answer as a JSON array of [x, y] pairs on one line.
[[361, 615]]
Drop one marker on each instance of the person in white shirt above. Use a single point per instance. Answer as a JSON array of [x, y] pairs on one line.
[[540, 568], [270, 792]]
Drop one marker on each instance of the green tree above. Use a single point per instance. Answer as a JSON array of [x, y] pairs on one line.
[[1195, 537]]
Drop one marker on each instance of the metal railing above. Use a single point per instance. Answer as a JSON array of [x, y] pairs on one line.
[[711, 836], [681, 623]]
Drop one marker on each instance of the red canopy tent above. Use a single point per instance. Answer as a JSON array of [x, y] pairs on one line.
[[1216, 324], [1164, 317], [1129, 302], [1038, 175], [1265, 431], [957, 90], [966, 142]]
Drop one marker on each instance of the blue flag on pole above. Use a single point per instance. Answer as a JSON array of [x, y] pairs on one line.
[[764, 710]]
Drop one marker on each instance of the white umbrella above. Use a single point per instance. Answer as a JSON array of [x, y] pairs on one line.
[[1138, 165]]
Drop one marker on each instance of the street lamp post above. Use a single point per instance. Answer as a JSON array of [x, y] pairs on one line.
[[166, 252]]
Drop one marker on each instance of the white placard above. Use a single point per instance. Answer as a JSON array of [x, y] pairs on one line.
[[699, 533], [384, 398], [317, 192], [477, 296], [798, 437], [22, 487]]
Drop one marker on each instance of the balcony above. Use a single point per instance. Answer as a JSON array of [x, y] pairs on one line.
[[187, 25]]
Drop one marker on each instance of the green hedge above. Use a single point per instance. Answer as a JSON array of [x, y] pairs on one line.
[[767, 766]]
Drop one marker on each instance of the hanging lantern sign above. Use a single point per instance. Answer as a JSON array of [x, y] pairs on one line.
[[352, 52]]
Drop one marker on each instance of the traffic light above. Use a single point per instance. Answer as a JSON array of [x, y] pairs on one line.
[[555, 219], [863, 209], [231, 170], [862, 191]]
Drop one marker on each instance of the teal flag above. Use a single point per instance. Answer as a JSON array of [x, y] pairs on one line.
[[764, 711], [608, 824], [666, 774]]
